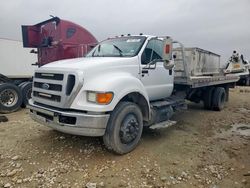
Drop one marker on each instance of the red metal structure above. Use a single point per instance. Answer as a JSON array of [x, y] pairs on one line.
[[57, 39]]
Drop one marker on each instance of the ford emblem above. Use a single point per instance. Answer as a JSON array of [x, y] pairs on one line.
[[45, 86]]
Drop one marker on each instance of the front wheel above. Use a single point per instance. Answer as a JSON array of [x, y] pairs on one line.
[[124, 128]]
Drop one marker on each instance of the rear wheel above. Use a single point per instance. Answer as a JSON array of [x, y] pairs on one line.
[[219, 98], [207, 98], [10, 98], [21, 84], [26, 89], [248, 81], [124, 128]]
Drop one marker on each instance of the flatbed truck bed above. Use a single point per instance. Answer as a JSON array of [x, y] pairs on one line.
[[202, 81]]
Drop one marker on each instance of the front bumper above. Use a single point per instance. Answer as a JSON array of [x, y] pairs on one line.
[[76, 123]]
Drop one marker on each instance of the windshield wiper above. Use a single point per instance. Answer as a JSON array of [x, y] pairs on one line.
[[118, 49]]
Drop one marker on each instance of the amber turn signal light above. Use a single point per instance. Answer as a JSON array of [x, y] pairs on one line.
[[100, 98], [104, 98]]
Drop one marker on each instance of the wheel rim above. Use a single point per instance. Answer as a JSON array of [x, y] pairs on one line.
[[129, 130], [8, 97]]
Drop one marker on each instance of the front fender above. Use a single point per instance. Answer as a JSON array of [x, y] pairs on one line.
[[120, 84]]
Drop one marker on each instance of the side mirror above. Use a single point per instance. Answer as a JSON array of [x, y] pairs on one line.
[[168, 65], [167, 49], [167, 53]]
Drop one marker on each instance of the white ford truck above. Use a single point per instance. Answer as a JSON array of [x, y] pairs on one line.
[[124, 84]]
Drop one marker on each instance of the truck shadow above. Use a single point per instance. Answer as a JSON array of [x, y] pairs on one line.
[[78, 145]]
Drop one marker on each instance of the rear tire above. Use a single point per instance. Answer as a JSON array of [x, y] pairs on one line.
[[219, 98], [10, 98], [207, 98], [26, 89], [124, 128], [248, 81], [21, 84]]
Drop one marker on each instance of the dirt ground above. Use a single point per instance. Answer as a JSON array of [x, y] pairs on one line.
[[204, 149]]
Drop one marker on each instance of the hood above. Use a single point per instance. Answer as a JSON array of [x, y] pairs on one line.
[[88, 62]]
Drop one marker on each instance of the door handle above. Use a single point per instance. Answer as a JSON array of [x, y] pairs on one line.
[[144, 71]]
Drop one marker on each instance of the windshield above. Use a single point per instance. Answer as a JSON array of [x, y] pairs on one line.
[[118, 47]]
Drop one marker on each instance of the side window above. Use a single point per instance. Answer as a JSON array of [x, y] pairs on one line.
[[152, 51], [70, 32]]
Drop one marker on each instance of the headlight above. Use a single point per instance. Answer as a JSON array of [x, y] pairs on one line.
[[100, 97]]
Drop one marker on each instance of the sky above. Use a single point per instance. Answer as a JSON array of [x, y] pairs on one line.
[[220, 26]]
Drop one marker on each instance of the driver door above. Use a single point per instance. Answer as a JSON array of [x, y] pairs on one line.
[[157, 80]]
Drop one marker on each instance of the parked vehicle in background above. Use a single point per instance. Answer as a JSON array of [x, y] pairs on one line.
[[124, 84], [57, 39], [238, 65], [15, 74], [49, 41]]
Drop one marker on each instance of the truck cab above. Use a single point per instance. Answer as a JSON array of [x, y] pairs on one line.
[[140, 56]]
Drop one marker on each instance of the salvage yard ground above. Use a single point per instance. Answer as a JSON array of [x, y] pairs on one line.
[[205, 149]]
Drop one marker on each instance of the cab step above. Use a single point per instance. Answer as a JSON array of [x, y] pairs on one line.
[[176, 102], [162, 125]]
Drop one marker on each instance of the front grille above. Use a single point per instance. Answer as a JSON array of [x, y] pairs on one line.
[[56, 89], [47, 96], [49, 76], [52, 87]]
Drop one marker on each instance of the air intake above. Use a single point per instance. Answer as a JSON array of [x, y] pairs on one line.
[[70, 84]]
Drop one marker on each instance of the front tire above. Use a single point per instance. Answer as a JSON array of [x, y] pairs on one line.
[[124, 128]]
